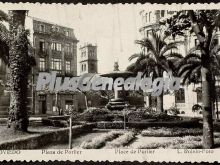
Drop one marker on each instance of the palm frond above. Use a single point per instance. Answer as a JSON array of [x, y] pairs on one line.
[[187, 67], [134, 56], [194, 49], [147, 43], [174, 55]]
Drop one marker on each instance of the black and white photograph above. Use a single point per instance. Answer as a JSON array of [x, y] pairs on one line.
[[113, 77]]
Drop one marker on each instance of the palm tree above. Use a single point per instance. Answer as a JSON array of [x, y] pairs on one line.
[[190, 66], [158, 58], [14, 51]]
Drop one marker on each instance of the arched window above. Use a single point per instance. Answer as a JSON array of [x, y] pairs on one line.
[[149, 16]]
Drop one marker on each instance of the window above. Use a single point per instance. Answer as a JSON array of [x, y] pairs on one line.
[[93, 67], [162, 13], [56, 46], [149, 16], [146, 19], [57, 29], [67, 33], [59, 47], [42, 28], [199, 95], [56, 64], [68, 103], [68, 48], [90, 53], [180, 96], [83, 54], [42, 45], [68, 66], [53, 46], [42, 64], [82, 67]]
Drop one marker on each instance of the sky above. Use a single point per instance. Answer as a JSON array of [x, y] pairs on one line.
[[113, 28]]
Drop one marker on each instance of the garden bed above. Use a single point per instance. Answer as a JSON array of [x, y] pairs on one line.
[[122, 140], [100, 141], [186, 142], [39, 139], [171, 132], [193, 123]]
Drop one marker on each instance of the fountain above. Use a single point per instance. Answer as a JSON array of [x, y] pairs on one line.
[[119, 102]]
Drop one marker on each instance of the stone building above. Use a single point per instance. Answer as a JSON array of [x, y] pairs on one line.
[[88, 59], [55, 50], [187, 96]]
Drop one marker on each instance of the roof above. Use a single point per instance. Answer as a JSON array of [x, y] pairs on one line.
[[53, 23]]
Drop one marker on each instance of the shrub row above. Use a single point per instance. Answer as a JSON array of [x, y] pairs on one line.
[[187, 142], [171, 132], [100, 141], [142, 125], [122, 140], [110, 125], [40, 140]]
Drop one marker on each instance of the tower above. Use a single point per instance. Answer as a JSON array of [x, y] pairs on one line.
[[88, 59]]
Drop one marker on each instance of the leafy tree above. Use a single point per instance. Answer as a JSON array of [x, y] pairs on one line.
[[204, 24], [14, 50], [158, 58]]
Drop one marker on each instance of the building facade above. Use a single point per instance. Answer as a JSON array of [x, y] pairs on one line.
[[88, 59], [55, 49], [186, 96]]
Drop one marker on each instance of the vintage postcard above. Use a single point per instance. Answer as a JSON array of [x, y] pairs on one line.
[[104, 82]]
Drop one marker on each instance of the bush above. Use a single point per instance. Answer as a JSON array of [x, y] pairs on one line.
[[182, 112], [170, 132], [110, 125], [196, 108], [192, 123], [135, 116], [55, 123], [121, 140], [173, 110], [96, 114], [100, 141], [187, 142]]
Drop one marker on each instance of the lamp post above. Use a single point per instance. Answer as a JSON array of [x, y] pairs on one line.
[[126, 107], [73, 113]]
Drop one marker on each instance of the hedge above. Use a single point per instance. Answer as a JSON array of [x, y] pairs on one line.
[[38, 141], [142, 125]]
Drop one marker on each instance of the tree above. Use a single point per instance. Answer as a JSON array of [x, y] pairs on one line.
[[190, 66], [15, 53], [203, 23], [158, 58]]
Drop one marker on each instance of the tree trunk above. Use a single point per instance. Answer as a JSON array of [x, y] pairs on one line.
[[160, 103], [18, 60], [208, 140]]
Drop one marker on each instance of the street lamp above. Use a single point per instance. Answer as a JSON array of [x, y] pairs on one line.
[[126, 107]]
